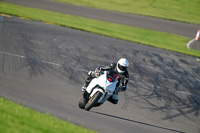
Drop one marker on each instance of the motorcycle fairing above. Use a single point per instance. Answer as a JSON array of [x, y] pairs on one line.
[[106, 87]]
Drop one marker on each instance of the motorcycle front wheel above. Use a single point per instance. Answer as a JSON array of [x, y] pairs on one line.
[[81, 104], [93, 100]]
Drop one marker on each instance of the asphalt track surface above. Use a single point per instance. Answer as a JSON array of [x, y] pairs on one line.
[[43, 67]]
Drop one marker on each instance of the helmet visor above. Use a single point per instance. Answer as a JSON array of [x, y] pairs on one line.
[[122, 68]]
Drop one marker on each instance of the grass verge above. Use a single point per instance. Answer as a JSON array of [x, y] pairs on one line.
[[180, 10], [17, 119], [163, 40]]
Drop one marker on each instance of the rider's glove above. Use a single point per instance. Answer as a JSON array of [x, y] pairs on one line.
[[98, 72], [91, 73]]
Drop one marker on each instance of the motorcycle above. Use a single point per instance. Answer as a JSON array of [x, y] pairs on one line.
[[99, 90]]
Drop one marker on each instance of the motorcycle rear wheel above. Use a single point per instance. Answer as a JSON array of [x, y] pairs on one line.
[[93, 100]]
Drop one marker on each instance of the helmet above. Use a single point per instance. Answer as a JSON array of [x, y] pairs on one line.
[[122, 65]]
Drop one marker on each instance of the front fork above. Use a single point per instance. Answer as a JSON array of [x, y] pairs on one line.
[[86, 95]]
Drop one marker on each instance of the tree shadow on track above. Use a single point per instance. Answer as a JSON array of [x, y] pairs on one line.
[[138, 122], [28, 55], [173, 84]]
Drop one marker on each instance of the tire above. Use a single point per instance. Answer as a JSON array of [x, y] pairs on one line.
[[93, 100], [81, 104]]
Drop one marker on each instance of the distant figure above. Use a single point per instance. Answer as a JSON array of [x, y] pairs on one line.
[[198, 35]]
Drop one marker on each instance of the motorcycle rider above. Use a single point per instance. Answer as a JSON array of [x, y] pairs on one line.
[[121, 68]]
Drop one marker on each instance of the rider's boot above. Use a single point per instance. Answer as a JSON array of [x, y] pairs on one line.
[[87, 82], [86, 96], [85, 86]]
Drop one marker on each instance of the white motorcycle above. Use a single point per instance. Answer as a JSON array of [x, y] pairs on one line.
[[99, 90]]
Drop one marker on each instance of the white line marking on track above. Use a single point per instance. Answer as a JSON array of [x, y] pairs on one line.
[[20, 56], [43, 61]]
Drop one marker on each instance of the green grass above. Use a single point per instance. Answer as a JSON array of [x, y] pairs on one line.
[[180, 10], [163, 40], [18, 119]]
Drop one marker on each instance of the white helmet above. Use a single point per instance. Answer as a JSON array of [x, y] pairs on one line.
[[122, 65]]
